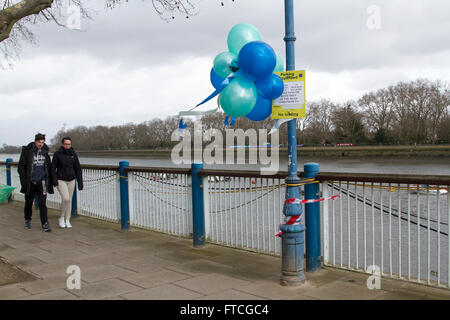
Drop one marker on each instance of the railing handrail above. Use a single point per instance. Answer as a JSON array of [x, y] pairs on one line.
[[340, 176], [243, 173], [385, 178], [323, 176], [159, 170]]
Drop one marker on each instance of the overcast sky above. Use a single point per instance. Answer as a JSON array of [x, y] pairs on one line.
[[128, 65]]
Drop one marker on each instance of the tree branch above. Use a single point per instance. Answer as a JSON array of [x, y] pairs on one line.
[[9, 16]]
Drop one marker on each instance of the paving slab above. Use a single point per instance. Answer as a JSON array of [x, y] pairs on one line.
[[342, 290], [109, 258], [211, 283], [157, 278], [180, 256], [438, 292], [105, 289], [164, 292], [60, 294], [142, 252], [144, 264], [401, 295], [231, 294], [26, 262], [274, 291], [52, 269], [258, 271], [12, 292], [45, 285], [200, 267], [23, 252], [103, 272], [12, 274]]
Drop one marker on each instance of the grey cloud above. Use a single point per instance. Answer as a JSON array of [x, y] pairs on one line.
[[331, 35]]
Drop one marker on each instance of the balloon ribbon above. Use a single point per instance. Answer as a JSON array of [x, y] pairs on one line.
[[220, 87]]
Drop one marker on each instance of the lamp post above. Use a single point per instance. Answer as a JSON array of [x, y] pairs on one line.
[[293, 235]]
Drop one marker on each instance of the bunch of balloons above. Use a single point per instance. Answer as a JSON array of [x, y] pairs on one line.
[[247, 70]]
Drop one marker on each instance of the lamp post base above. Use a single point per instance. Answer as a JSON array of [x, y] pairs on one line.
[[292, 279], [292, 255]]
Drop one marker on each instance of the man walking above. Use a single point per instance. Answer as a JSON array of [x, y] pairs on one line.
[[36, 175]]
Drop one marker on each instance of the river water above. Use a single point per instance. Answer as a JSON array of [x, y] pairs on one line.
[[396, 165]]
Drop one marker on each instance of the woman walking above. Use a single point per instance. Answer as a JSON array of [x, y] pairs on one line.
[[67, 166]]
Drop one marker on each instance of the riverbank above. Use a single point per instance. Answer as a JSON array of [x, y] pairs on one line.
[[424, 151]]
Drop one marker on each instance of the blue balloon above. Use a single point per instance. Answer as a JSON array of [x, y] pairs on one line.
[[215, 79], [257, 60], [262, 109], [271, 87]]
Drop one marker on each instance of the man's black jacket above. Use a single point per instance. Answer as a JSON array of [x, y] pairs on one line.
[[26, 166], [67, 166]]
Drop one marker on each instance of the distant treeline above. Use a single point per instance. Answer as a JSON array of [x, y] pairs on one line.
[[416, 112], [10, 149]]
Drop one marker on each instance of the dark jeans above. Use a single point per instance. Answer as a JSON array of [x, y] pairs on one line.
[[36, 189]]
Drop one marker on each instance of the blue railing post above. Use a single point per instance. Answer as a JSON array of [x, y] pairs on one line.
[[293, 235], [312, 219], [198, 215], [74, 212], [124, 200], [8, 176]]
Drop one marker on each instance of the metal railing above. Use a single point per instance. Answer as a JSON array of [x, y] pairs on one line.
[[397, 223], [3, 173], [99, 197], [160, 200], [244, 212]]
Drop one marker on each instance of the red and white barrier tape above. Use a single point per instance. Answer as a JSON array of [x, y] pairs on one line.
[[294, 200], [291, 220]]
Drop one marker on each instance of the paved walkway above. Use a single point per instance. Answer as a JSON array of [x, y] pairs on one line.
[[140, 264]]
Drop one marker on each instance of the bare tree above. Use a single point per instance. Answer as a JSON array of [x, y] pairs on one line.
[[378, 113], [17, 16], [348, 123], [439, 109], [318, 122]]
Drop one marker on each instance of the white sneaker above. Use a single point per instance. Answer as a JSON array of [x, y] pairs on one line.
[[68, 225], [61, 223]]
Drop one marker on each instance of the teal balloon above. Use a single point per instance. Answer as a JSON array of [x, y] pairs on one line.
[[240, 35], [239, 97], [279, 67], [224, 63]]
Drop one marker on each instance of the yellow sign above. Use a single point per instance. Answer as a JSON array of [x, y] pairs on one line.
[[291, 104]]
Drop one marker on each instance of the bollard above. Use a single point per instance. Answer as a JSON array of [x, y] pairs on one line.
[[198, 214], [74, 213], [124, 204], [8, 176], [312, 220]]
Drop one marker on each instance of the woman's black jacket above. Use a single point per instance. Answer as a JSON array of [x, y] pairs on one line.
[[67, 166]]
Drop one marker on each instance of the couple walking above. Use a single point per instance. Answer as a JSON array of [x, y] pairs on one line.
[[38, 175]]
